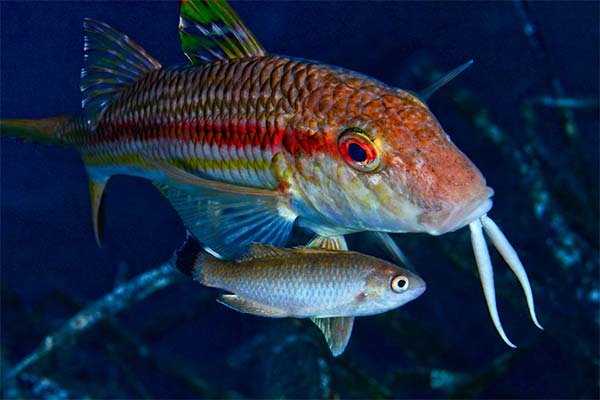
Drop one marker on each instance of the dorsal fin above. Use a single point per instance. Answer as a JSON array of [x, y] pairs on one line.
[[257, 250], [111, 62], [210, 30]]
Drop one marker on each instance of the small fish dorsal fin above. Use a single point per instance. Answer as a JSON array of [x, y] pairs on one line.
[[257, 250], [111, 62], [210, 30]]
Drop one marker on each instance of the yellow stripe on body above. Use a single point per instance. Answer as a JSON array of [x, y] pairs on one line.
[[129, 158]]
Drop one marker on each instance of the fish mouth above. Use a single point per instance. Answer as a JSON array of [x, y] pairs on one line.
[[463, 214], [419, 288]]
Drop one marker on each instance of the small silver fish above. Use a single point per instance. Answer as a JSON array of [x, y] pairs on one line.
[[330, 287]]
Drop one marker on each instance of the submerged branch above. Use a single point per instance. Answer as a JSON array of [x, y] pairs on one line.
[[122, 297]]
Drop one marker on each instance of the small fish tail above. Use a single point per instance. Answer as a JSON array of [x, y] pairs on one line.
[[45, 130], [190, 258]]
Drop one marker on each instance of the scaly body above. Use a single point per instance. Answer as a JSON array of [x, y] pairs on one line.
[[330, 287], [269, 123], [312, 282], [245, 144]]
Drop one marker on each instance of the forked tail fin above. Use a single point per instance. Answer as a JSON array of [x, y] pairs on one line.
[[44, 130]]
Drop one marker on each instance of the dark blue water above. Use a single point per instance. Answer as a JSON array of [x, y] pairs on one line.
[[180, 343]]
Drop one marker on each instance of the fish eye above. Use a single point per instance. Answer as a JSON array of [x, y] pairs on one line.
[[358, 150], [399, 283]]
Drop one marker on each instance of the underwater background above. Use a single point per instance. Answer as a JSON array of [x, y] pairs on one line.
[[526, 113]]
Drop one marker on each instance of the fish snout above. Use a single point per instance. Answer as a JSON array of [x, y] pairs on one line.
[[456, 216], [417, 288]]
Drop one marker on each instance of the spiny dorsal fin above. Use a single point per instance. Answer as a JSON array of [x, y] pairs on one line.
[[111, 62], [210, 30]]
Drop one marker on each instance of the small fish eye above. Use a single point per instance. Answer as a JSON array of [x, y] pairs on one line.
[[399, 283], [358, 150]]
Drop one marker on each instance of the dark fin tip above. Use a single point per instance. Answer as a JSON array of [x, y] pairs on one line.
[[187, 255], [100, 221]]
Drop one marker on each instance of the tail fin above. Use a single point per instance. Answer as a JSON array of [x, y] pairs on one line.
[[45, 130], [190, 257]]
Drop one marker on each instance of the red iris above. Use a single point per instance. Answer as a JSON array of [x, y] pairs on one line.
[[358, 150]]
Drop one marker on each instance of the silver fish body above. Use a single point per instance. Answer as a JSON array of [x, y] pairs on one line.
[[307, 282]]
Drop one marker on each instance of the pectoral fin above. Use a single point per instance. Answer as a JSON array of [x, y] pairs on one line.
[[248, 306], [226, 217], [337, 332]]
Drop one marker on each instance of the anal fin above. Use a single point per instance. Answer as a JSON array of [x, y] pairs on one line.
[[248, 306], [337, 332]]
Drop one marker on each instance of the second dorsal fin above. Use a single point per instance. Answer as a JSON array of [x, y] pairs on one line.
[[210, 30], [112, 61]]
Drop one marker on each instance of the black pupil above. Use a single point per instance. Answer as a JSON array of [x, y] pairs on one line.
[[401, 283], [356, 152]]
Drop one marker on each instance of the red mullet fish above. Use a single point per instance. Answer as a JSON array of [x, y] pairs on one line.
[[330, 287], [244, 144]]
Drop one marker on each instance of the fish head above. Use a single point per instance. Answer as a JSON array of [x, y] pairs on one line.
[[377, 159], [388, 286]]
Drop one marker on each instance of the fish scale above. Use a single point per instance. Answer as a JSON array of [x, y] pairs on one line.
[[245, 144], [221, 120], [319, 285]]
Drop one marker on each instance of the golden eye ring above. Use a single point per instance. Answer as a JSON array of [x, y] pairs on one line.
[[399, 283], [358, 150]]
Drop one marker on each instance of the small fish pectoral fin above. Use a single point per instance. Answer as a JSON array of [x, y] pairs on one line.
[[227, 218], [328, 242], [211, 30], [96, 187], [248, 306], [337, 332]]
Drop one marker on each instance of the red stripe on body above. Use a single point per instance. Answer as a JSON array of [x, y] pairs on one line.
[[236, 134]]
